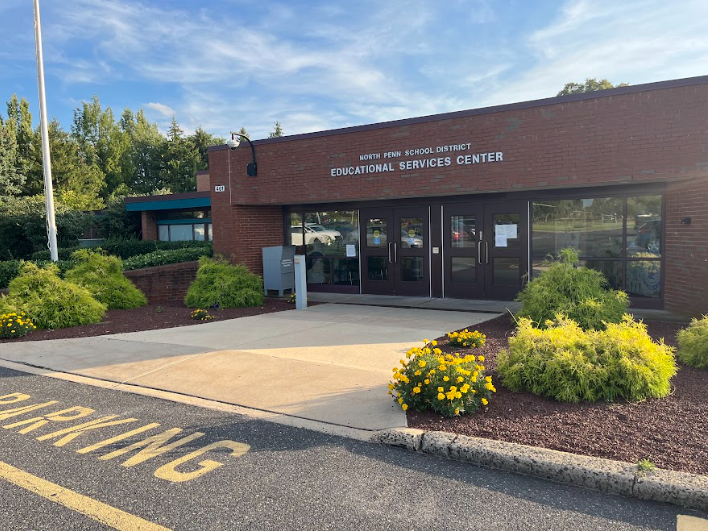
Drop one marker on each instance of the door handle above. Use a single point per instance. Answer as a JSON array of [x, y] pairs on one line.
[[479, 252], [395, 252], [390, 260], [486, 252]]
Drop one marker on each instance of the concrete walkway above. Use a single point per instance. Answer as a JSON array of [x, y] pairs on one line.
[[330, 363]]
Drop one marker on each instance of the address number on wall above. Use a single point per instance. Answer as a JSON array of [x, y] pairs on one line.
[[220, 188]]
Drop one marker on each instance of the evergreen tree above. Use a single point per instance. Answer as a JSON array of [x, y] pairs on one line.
[[10, 182], [590, 85], [181, 161], [277, 132]]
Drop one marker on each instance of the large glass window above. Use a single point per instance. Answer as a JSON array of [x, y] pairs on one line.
[[330, 241], [618, 236]]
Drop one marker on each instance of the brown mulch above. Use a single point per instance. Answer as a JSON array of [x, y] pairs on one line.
[[151, 317], [672, 432]]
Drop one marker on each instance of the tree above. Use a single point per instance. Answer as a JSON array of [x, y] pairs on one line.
[[11, 182], [26, 140], [181, 161], [590, 85], [277, 132], [143, 162], [200, 142]]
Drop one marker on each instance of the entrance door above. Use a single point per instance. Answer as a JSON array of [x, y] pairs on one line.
[[394, 251], [486, 249]]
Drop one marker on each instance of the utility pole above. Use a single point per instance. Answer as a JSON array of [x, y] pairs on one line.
[[46, 161]]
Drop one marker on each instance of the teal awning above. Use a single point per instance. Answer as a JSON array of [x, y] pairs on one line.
[[169, 204]]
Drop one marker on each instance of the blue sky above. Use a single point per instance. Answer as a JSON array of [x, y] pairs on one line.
[[317, 65]]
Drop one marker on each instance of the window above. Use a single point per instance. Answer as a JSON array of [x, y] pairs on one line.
[[619, 236]]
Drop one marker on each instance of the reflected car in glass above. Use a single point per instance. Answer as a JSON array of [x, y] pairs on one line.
[[314, 233]]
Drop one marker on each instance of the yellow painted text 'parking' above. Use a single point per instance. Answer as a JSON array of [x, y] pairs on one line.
[[145, 449]]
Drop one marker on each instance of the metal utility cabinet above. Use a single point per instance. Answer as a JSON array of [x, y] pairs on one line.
[[279, 269]]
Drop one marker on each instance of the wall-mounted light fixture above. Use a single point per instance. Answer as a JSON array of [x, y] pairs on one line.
[[251, 167]]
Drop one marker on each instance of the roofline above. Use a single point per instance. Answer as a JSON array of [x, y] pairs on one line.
[[607, 93], [166, 197]]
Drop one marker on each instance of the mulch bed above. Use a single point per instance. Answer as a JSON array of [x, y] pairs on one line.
[[151, 317], [672, 432]]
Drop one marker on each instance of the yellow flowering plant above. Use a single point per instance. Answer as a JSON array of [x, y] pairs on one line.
[[446, 383], [201, 315], [15, 324], [466, 339]]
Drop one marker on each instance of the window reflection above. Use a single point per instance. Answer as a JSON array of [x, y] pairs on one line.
[[330, 241], [644, 226], [592, 226]]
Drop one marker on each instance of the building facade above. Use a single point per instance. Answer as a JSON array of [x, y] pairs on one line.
[[469, 204]]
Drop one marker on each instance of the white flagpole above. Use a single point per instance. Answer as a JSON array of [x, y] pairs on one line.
[[46, 162]]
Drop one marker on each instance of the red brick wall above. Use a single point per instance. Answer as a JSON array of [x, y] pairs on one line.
[[651, 135], [148, 225], [168, 283], [686, 276], [242, 231]]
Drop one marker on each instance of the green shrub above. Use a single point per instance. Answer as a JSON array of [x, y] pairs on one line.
[[229, 286], [15, 324], [693, 343], [127, 248], [50, 301], [9, 269], [448, 384], [579, 293], [103, 276], [158, 258], [571, 365]]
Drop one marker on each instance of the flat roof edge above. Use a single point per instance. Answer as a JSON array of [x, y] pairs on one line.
[[631, 89]]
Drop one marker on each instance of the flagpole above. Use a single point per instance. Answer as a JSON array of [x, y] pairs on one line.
[[46, 161]]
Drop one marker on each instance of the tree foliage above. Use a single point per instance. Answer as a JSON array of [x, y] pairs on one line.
[[590, 85]]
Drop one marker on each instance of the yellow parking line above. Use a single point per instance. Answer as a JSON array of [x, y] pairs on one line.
[[76, 502]]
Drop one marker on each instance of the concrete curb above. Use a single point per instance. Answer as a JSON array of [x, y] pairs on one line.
[[612, 477]]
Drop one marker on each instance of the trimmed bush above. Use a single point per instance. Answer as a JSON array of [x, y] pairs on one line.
[[128, 248], [448, 384], [103, 276], [9, 269], [579, 293], [158, 258], [50, 301], [223, 284], [693, 343], [571, 365]]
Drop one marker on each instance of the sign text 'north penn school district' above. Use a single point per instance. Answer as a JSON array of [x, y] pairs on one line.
[[437, 160]]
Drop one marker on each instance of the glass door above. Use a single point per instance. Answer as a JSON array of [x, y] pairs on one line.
[[462, 237], [485, 249], [395, 251], [506, 249]]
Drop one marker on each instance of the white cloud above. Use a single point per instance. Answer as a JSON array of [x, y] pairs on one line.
[[163, 109]]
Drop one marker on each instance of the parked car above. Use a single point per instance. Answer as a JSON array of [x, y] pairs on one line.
[[314, 233]]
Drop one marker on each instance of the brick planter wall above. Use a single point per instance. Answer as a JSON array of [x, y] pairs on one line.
[[168, 283]]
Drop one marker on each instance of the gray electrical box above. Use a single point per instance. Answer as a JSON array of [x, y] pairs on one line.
[[279, 269]]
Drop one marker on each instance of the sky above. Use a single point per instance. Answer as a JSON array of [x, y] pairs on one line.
[[323, 64]]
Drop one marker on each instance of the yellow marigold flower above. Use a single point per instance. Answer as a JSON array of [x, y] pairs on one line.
[[457, 411], [403, 362], [445, 378], [400, 400], [437, 351], [432, 372], [441, 389], [441, 396], [442, 367], [489, 379], [434, 343], [474, 391], [417, 373], [460, 379], [485, 402], [481, 358], [391, 386], [416, 390], [425, 341], [426, 381], [404, 406]]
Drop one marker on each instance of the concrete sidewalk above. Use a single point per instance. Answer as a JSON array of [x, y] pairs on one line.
[[330, 363]]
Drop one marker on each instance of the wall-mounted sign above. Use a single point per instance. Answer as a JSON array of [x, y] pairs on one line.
[[220, 188], [446, 155]]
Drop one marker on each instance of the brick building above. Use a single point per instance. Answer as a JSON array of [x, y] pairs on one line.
[[465, 204]]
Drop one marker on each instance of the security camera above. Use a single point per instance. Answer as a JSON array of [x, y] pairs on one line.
[[233, 143]]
